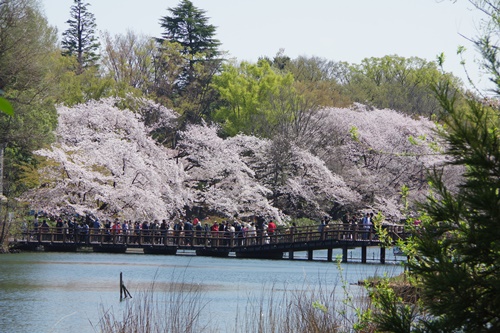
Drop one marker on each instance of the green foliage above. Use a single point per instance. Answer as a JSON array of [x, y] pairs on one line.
[[320, 306], [353, 131], [89, 85], [6, 107], [405, 191], [188, 27], [412, 140], [392, 313], [303, 222], [382, 233], [27, 43], [26, 56]]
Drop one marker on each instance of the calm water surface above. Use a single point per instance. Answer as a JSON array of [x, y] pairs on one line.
[[66, 292]]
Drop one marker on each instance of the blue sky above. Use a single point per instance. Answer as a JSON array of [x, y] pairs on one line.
[[339, 30]]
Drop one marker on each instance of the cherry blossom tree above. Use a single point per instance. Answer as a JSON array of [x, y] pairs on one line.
[[104, 162], [378, 152], [111, 161], [301, 183], [220, 179]]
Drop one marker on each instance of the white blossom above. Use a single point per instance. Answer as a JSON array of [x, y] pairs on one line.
[[104, 162]]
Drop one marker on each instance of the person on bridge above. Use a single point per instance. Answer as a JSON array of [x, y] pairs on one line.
[[188, 233], [321, 228], [366, 226], [271, 230]]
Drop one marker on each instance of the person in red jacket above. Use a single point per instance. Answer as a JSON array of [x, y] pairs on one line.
[[271, 230]]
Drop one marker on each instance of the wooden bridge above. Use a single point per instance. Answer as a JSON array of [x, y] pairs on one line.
[[219, 244]]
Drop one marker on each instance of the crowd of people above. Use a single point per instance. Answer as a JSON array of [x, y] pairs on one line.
[[361, 224], [189, 232], [179, 232]]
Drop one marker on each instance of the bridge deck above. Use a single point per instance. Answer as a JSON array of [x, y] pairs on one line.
[[209, 243]]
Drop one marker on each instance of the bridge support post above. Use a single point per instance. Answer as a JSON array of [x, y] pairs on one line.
[[309, 255], [290, 255], [382, 255], [363, 254], [344, 254], [329, 256]]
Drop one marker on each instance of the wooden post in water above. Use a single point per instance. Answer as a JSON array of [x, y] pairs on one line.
[[329, 255], [382, 255], [121, 286], [290, 255], [124, 293], [309, 255]]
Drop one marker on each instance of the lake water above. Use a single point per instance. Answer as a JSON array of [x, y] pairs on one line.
[[67, 292]]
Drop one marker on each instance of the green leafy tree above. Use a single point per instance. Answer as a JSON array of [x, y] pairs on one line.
[[129, 60], [398, 83], [250, 95], [76, 88], [27, 53], [316, 79], [79, 40]]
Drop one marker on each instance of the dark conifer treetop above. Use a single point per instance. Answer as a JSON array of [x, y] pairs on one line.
[[188, 26], [79, 39]]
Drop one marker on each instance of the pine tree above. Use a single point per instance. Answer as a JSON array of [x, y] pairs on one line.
[[79, 39]]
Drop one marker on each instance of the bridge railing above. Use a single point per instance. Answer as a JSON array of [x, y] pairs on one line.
[[207, 238]]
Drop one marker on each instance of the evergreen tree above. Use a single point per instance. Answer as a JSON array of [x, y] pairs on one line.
[[458, 247], [188, 45], [189, 27], [79, 39]]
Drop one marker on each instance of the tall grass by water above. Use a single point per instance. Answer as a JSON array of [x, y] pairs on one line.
[[184, 307]]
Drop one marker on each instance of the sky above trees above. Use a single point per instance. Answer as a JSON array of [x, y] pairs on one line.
[[336, 30]]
